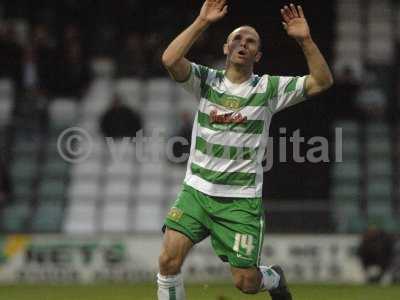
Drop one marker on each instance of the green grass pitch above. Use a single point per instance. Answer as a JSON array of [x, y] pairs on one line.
[[193, 292]]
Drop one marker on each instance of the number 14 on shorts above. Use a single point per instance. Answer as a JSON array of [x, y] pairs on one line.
[[245, 242]]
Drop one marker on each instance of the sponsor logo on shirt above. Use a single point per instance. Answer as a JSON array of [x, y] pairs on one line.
[[229, 118]]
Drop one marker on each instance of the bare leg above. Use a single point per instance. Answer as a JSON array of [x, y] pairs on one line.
[[173, 253], [247, 280]]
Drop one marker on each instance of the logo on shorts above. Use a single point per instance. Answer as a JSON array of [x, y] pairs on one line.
[[175, 214], [243, 257]]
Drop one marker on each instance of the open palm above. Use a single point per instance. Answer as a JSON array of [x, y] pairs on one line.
[[295, 23], [213, 10]]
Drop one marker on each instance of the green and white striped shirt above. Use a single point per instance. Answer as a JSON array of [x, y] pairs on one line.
[[230, 130]]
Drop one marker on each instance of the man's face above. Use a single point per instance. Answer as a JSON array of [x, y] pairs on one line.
[[242, 46]]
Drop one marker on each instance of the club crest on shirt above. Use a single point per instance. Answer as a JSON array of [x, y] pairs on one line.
[[231, 103]]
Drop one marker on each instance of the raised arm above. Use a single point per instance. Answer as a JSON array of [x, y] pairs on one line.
[[295, 24], [174, 56]]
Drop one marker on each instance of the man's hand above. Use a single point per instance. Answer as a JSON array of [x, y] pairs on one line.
[[295, 23], [213, 10], [320, 77], [173, 57]]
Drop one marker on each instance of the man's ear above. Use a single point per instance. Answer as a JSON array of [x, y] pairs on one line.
[[258, 56], [225, 49]]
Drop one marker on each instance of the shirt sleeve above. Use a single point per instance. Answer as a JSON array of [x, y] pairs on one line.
[[285, 91], [197, 79]]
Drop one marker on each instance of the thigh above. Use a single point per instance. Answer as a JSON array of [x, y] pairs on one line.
[[176, 245], [237, 234]]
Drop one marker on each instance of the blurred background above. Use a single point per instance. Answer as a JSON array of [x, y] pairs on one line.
[[96, 65]]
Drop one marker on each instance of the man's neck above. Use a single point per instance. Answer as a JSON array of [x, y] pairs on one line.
[[238, 74]]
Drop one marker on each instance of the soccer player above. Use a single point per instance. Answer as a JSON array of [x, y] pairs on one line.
[[221, 193]]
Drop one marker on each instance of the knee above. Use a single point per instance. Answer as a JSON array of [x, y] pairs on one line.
[[246, 284], [169, 264]]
